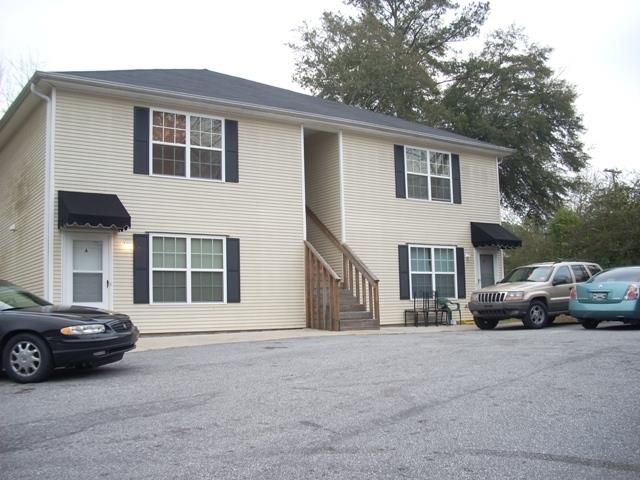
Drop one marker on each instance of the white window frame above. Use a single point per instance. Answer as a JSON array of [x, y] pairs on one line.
[[433, 272], [428, 175], [187, 145], [188, 270]]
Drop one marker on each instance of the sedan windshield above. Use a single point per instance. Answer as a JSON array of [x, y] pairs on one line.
[[528, 274], [619, 275], [13, 298]]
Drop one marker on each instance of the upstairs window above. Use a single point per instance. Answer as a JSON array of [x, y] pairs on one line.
[[184, 145], [428, 174]]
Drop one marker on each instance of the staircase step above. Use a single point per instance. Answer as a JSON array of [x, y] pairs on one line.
[[352, 307], [368, 324], [348, 299], [356, 315]]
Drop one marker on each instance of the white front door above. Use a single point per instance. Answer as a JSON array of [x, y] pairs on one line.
[[486, 267], [87, 269]]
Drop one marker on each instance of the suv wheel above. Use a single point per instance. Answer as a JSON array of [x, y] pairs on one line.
[[537, 316], [589, 324], [26, 358], [485, 323]]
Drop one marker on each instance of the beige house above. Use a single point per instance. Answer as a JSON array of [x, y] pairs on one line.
[[195, 201]]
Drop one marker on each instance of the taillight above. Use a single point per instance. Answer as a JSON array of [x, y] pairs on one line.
[[573, 295], [632, 292]]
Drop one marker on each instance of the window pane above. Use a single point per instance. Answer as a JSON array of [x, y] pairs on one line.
[[440, 189], [168, 160], [157, 248], [169, 252], [206, 164], [206, 287], [417, 161], [181, 253], [420, 285], [417, 186], [206, 253], [87, 287], [87, 255], [157, 134], [169, 120], [443, 260], [420, 259], [439, 163], [169, 286], [445, 285], [169, 127], [206, 132]]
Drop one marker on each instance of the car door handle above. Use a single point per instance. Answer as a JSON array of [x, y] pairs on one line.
[[108, 283]]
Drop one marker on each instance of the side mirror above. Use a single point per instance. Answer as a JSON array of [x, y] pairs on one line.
[[560, 281]]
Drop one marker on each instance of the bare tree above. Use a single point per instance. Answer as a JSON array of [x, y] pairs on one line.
[[14, 75]]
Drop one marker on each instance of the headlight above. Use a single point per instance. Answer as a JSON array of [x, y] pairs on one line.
[[82, 329], [474, 297], [514, 296]]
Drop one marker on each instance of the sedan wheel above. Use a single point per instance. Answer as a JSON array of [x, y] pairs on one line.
[[589, 324], [26, 358]]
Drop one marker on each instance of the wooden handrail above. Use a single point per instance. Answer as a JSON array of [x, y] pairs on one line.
[[324, 263], [322, 286], [342, 247]]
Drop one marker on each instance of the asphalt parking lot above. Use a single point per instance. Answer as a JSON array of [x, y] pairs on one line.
[[511, 403]]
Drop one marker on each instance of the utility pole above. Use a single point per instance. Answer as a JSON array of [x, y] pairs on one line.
[[614, 172]]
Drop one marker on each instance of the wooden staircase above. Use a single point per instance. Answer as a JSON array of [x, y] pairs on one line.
[[334, 302], [353, 314]]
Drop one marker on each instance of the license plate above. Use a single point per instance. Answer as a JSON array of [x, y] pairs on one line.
[[599, 296]]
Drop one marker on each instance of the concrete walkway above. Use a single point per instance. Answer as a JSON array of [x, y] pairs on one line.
[[157, 342]]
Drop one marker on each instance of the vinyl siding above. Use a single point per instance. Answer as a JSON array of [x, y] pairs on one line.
[[22, 176], [322, 172], [94, 144], [377, 221]]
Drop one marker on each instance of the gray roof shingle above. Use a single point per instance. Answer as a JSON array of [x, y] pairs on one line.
[[214, 85]]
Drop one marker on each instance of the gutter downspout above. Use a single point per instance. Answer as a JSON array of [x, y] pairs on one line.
[[48, 191], [343, 209]]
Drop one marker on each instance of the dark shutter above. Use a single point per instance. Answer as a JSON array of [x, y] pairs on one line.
[[231, 151], [462, 290], [455, 178], [403, 261], [141, 140], [141, 269], [398, 155], [233, 270]]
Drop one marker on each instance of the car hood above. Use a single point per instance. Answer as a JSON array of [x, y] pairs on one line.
[[511, 287], [73, 312]]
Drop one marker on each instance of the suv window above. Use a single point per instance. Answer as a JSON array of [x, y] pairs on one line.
[[528, 274], [562, 276], [594, 269], [580, 273]]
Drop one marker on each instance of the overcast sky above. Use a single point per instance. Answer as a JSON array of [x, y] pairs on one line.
[[596, 46]]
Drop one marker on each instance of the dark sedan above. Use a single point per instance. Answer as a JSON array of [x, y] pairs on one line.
[[36, 336]]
